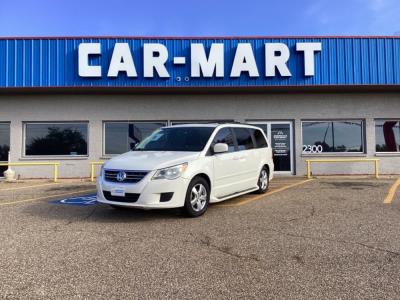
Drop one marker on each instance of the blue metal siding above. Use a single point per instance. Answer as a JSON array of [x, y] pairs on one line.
[[53, 62]]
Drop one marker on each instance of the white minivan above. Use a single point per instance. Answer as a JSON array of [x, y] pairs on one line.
[[188, 166]]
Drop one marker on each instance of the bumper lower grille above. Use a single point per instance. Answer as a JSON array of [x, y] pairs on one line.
[[129, 197], [127, 176]]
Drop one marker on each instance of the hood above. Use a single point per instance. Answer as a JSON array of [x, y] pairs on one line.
[[149, 160]]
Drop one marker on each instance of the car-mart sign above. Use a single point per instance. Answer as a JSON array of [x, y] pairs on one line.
[[156, 55]]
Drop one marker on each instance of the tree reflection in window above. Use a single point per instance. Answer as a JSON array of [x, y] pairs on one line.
[[4, 152], [387, 135], [4, 143], [56, 139], [334, 136]]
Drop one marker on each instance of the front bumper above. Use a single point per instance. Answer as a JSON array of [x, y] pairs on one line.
[[148, 190]]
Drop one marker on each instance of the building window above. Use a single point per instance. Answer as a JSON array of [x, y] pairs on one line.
[[387, 136], [57, 139], [4, 144], [342, 136], [121, 137]]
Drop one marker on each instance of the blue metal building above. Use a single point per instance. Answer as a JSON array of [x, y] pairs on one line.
[[53, 62], [314, 96]]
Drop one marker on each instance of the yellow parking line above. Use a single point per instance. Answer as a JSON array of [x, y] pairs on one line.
[[392, 192], [46, 197], [246, 201], [29, 186]]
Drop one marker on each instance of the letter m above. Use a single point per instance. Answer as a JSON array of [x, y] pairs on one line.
[[200, 64]]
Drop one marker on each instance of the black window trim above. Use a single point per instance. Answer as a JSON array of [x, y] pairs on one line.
[[363, 137], [80, 156], [103, 146]]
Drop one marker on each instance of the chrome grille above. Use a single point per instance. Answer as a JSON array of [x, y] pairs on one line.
[[131, 176]]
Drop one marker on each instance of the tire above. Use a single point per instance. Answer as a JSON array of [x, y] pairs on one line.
[[263, 181], [197, 197]]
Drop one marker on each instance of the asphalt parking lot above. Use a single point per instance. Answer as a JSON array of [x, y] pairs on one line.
[[324, 238]]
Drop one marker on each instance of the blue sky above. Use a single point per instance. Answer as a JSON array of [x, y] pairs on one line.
[[199, 18]]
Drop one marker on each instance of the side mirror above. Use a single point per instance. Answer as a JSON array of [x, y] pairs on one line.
[[220, 148]]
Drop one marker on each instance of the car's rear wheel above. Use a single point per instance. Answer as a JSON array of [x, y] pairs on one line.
[[197, 197], [263, 181]]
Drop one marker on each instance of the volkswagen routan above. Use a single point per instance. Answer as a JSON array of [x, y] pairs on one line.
[[188, 166]]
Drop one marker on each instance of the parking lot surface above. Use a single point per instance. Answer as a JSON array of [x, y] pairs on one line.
[[324, 238]]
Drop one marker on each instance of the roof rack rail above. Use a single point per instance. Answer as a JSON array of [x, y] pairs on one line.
[[235, 122]]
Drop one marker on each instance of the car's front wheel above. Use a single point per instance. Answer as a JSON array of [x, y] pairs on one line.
[[263, 181], [197, 197]]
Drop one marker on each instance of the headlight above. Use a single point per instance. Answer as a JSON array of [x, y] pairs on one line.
[[102, 171], [171, 172]]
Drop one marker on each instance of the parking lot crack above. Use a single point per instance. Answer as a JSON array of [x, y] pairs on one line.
[[206, 241], [310, 215], [89, 214]]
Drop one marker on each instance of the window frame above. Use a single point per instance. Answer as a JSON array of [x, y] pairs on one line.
[[363, 138], [25, 123], [103, 150], [384, 153]]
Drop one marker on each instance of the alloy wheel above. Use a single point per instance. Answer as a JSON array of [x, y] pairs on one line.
[[198, 197], [263, 180]]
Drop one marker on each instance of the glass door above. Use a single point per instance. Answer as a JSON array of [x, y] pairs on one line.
[[280, 135], [4, 145]]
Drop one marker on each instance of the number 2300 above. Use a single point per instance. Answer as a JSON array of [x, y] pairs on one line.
[[311, 149]]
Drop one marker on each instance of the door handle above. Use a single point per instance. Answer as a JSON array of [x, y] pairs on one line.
[[239, 157]]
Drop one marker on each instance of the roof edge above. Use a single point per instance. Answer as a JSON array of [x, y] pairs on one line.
[[203, 89], [201, 37]]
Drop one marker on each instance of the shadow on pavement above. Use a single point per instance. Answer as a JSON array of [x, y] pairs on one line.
[[97, 213]]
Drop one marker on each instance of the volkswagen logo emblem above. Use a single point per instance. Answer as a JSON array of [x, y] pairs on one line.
[[121, 176]]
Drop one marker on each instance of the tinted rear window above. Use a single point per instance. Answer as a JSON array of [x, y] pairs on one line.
[[244, 139], [261, 142]]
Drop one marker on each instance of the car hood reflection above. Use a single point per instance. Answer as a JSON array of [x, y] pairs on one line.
[[149, 160]]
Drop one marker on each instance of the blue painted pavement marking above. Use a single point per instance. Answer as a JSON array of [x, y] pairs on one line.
[[84, 200]]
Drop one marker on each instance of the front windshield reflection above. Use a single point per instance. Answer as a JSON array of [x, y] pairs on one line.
[[192, 139]]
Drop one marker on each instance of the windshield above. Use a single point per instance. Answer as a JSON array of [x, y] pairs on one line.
[[176, 139]]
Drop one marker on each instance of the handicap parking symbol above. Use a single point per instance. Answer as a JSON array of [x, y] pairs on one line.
[[80, 201]]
